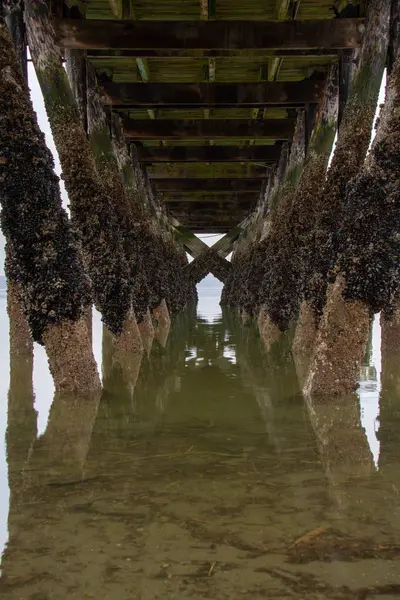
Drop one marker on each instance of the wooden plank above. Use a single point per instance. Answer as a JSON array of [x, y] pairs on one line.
[[265, 154], [208, 185], [206, 171], [204, 95], [234, 35], [168, 129]]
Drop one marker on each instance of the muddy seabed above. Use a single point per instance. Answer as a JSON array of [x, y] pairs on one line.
[[212, 478]]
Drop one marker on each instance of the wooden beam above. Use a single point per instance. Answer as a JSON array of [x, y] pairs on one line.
[[202, 196], [205, 95], [192, 244], [188, 154], [186, 214], [208, 185], [81, 34], [204, 53], [168, 129], [206, 171]]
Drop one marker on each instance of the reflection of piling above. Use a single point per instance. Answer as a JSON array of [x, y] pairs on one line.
[[389, 402], [69, 430], [38, 517], [389, 414], [146, 329], [269, 332], [162, 322], [21, 414], [390, 349], [120, 369], [304, 339], [20, 337], [337, 355], [343, 446]]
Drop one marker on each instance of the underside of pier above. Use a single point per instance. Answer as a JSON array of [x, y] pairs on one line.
[[188, 117]]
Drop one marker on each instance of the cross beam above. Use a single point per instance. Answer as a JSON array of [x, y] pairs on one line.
[[195, 246], [206, 171], [209, 185], [86, 34], [203, 95], [169, 129], [188, 154], [197, 198]]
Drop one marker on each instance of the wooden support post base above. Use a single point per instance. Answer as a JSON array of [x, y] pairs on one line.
[[269, 332], [340, 344], [121, 366], [69, 431], [129, 341], [71, 359], [146, 329], [245, 317]]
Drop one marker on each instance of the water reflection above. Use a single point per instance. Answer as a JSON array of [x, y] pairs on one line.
[[204, 475]]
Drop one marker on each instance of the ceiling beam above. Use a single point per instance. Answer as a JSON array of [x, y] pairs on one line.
[[206, 171], [208, 185], [201, 53], [203, 95], [85, 34], [167, 129], [200, 197], [188, 154]]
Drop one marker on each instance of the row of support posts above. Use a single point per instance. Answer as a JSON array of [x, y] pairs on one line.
[[327, 255], [115, 250]]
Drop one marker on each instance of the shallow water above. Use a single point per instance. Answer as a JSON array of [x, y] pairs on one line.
[[209, 477]]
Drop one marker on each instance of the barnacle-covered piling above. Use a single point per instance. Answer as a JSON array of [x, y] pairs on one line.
[[351, 148], [44, 258], [254, 262], [94, 211], [368, 269]]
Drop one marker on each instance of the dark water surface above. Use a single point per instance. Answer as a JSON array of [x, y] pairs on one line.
[[210, 477]]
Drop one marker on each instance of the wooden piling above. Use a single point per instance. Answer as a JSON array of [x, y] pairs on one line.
[[368, 269], [44, 257], [94, 212]]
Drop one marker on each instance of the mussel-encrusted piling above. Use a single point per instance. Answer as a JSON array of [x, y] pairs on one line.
[[93, 210], [368, 270], [351, 148], [44, 257]]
